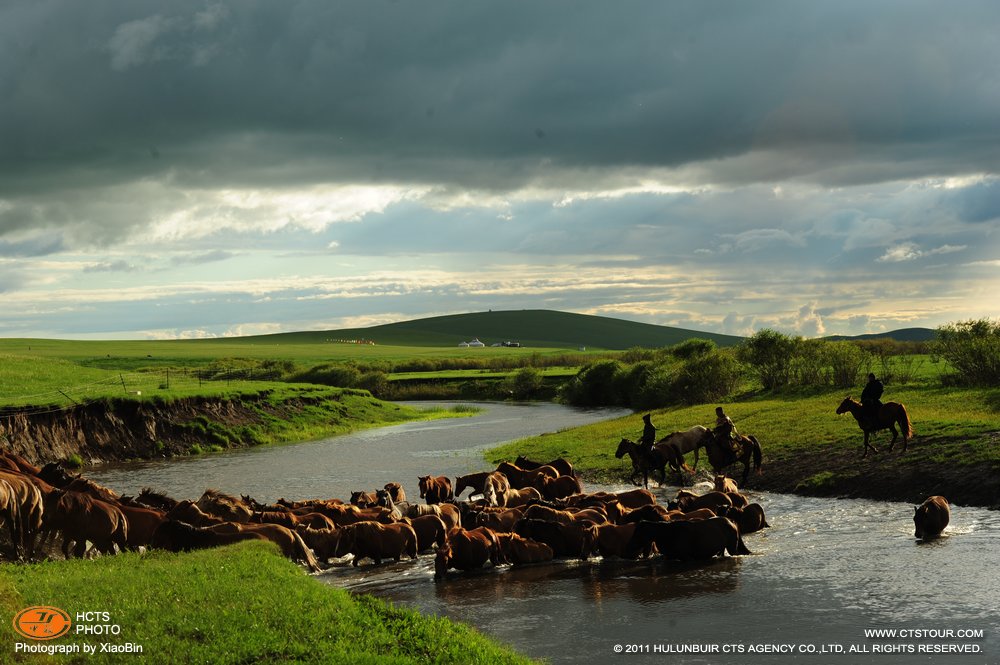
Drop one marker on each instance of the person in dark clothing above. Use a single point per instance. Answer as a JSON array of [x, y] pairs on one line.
[[871, 397], [648, 437]]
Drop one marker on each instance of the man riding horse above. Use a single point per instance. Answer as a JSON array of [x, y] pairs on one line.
[[725, 430], [648, 437], [871, 400]]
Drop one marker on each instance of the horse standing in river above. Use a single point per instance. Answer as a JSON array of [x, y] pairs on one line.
[[890, 414], [642, 461]]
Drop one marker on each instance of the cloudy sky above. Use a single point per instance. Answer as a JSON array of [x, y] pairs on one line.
[[193, 168]]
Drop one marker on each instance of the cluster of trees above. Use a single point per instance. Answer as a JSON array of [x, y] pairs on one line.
[[695, 371]]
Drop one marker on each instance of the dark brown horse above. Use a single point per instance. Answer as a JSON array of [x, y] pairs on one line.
[[724, 452], [642, 461], [931, 517], [689, 541], [890, 414], [475, 481], [560, 464]]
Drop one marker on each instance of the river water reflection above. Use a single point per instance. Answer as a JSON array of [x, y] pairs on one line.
[[824, 574]]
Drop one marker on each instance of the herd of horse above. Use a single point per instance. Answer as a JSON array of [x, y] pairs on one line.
[[519, 513], [526, 512]]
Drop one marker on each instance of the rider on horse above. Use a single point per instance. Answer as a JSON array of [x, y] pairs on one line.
[[648, 437], [725, 430], [871, 398]]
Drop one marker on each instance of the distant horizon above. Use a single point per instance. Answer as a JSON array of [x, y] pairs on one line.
[[201, 168], [318, 330]]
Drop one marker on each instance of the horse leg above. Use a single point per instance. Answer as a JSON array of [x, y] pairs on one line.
[[895, 434]]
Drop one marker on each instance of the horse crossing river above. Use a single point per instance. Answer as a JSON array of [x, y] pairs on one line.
[[832, 581]]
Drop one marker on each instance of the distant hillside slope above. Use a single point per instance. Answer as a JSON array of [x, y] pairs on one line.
[[901, 335], [533, 328]]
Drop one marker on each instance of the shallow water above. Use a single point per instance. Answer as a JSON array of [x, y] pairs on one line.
[[825, 572]]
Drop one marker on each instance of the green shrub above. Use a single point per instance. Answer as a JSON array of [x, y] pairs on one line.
[[769, 355], [972, 348]]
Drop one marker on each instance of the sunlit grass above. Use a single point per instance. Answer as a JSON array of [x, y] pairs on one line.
[[237, 604]]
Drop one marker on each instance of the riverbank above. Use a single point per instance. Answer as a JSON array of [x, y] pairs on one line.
[[111, 430], [810, 450], [237, 604]]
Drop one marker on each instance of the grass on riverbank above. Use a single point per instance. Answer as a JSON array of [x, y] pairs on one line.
[[238, 604], [808, 448]]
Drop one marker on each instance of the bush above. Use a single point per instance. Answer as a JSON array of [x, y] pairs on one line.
[[847, 362], [706, 378], [692, 348], [973, 349], [769, 355], [597, 385], [525, 383]]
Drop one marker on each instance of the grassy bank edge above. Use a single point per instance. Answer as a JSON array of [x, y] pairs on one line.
[[810, 450], [237, 604]]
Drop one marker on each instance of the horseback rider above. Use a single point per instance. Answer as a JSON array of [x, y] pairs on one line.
[[648, 437], [725, 430], [871, 401]]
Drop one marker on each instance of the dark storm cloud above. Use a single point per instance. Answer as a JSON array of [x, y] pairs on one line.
[[491, 95]]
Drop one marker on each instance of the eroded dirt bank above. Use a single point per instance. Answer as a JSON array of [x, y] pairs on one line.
[[116, 430]]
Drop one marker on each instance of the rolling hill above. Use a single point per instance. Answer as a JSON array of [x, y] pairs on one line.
[[532, 328]]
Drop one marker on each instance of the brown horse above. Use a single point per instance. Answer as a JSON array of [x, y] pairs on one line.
[[176, 536], [931, 517], [890, 414], [642, 461], [379, 541], [226, 506], [560, 464], [80, 517], [749, 518], [566, 540], [520, 478], [435, 489], [689, 541], [613, 539], [21, 506], [468, 550], [519, 551], [721, 453], [475, 481], [562, 487], [430, 530]]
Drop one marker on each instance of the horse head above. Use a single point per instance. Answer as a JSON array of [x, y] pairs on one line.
[[383, 498], [846, 405], [623, 447], [424, 484]]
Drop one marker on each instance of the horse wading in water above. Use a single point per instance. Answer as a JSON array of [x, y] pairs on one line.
[[890, 414]]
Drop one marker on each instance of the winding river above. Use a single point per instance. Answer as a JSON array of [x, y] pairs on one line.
[[822, 580]]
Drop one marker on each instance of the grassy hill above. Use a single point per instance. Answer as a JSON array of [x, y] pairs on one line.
[[901, 335], [531, 327]]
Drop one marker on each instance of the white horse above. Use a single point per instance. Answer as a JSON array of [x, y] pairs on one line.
[[687, 441]]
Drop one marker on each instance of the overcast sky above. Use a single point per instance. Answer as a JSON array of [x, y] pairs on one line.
[[182, 169]]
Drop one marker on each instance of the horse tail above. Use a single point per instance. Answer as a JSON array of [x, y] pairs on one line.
[[904, 422], [305, 554], [757, 453]]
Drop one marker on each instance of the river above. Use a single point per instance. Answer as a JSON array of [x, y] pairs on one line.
[[824, 576]]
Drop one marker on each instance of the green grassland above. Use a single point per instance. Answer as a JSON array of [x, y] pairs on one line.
[[238, 604], [808, 448]]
